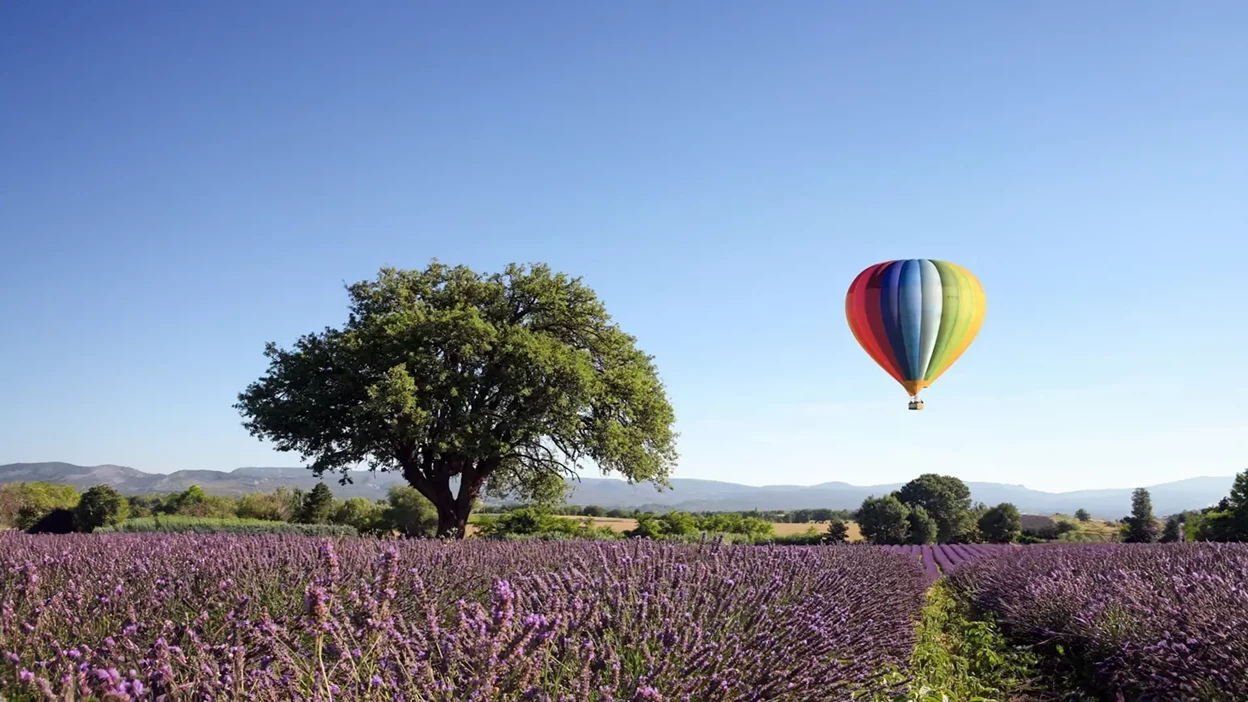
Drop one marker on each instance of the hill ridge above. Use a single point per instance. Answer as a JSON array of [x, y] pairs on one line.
[[693, 494]]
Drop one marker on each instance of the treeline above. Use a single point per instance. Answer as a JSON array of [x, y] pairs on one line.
[[1225, 521], [540, 522], [48, 508], [797, 516], [936, 509]]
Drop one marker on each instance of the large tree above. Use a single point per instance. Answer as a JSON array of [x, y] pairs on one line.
[[947, 501], [883, 520], [469, 384]]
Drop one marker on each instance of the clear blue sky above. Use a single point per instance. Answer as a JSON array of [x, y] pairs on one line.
[[181, 182]]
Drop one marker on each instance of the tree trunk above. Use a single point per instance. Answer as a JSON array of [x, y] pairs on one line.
[[453, 509], [452, 524]]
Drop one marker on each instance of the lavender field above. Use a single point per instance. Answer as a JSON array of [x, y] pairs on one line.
[[143, 617], [939, 559], [195, 617], [1139, 622]]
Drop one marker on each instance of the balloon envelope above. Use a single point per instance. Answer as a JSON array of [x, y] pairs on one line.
[[915, 317]]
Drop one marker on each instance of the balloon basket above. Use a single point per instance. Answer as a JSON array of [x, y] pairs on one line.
[[916, 404]]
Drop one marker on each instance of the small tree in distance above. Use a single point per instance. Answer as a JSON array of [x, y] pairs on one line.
[[1141, 528], [838, 532], [409, 513], [468, 385], [1170, 533], [1001, 524], [100, 506], [1082, 515], [317, 507]]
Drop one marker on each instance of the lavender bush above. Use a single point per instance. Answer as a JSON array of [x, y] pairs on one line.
[[1143, 622], [173, 617]]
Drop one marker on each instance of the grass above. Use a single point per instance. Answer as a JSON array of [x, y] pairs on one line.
[[963, 658], [1093, 530]]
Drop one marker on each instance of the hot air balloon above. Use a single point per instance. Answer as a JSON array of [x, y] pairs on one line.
[[915, 317]]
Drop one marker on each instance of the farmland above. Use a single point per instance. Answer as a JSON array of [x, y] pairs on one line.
[[622, 524], [282, 618], [291, 617]]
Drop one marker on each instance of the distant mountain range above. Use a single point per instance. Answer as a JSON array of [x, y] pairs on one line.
[[686, 493]]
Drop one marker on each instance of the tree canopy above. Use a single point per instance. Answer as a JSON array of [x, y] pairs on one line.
[[1001, 524], [101, 506], [468, 384], [884, 520], [947, 501], [1141, 527]]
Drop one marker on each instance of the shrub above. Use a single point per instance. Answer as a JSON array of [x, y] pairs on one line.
[[1001, 524], [539, 522], [24, 504], [55, 521], [361, 513], [409, 512], [277, 506], [100, 506], [175, 524]]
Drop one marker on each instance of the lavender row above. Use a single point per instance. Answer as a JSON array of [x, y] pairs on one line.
[[940, 559], [142, 617], [1152, 622]]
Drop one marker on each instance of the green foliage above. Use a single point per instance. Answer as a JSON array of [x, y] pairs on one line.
[[1082, 515], [838, 532], [884, 520], [209, 506], [143, 505], [1001, 524], [1228, 521], [317, 507], [1239, 491], [277, 506], [408, 512], [810, 537], [100, 506], [508, 382], [174, 524], [361, 514], [653, 526], [22, 505], [1231, 525], [963, 658], [921, 528], [55, 521], [1170, 532], [1140, 527], [734, 523], [537, 521], [945, 498], [188, 498]]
